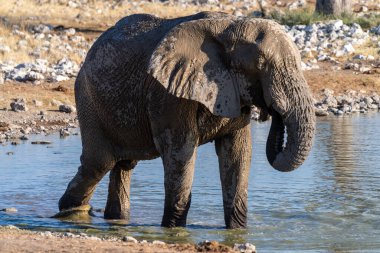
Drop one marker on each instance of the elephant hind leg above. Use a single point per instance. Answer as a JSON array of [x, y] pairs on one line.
[[118, 202], [81, 188]]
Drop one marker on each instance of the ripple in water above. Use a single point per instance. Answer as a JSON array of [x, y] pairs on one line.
[[331, 203]]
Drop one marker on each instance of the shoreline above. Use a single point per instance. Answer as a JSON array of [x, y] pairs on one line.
[[13, 239], [17, 126]]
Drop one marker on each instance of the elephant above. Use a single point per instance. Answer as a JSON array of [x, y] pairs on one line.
[[152, 87]]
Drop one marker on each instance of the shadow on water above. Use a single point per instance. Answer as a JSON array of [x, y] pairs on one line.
[[330, 204]]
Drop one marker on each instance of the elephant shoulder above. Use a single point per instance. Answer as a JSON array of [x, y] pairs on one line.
[[135, 19]]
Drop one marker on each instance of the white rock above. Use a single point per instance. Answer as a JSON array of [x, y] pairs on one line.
[[2, 77], [245, 248], [4, 49], [37, 103], [130, 239], [156, 242], [67, 108], [370, 58]]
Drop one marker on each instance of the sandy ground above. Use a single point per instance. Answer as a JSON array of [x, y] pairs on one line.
[[16, 240]]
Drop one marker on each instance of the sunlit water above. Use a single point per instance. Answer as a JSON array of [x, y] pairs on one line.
[[331, 203]]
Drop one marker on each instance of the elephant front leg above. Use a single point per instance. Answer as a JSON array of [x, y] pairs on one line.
[[118, 201], [234, 153], [178, 157]]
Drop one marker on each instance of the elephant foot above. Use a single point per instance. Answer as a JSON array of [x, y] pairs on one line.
[[114, 213], [237, 221], [82, 213], [171, 220]]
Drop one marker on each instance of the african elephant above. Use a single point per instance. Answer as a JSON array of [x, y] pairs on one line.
[[153, 87]]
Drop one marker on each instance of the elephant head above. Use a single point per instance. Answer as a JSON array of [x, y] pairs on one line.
[[227, 64]]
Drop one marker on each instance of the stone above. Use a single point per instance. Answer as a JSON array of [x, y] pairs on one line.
[[156, 242], [18, 105], [359, 57], [237, 13], [70, 32], [9, 210], [37, 103], [245, 248], [130, 239], [33, 76], [4, 49], [321, 113], [64, 132], [2, 77], [54, 102], [67, 108], [365, 70], [370, 58], [327, 92], [41, 142]]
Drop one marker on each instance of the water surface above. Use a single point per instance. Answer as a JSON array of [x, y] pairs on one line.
[[331, 203]]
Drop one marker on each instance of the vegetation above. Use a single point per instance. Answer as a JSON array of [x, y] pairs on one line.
[[308, 16]]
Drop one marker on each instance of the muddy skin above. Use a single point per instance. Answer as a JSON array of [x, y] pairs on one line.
[[154, 87]]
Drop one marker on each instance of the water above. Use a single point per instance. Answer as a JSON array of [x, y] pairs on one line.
[[331, 203]]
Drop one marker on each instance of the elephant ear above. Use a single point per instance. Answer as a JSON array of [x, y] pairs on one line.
[[190, 63]]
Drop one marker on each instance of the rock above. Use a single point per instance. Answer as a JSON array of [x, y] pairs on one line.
[[4, 49], [370, 58], [64, 132], [11, 227], [9, 210], [246, 248], [54, 102], [2, 77], [375, 30], [47, 234], [327, 92], [330, 101], [41, 142], [24, 138], [237, 13], [359, 57], [37, 103], [365, 70], [67, 108], [156, 242], [70, 32], [41, 28], [130, 239], [59, 78], [321, 113], [18, 105]]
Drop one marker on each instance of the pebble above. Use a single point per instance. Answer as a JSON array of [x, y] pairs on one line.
[[2, 77], [245, 247], [64, 132], [18, 105], [9, 210], [41, 142], [156, 242], [130, 239], [67, 108]]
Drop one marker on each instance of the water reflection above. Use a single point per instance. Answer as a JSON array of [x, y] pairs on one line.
[[330, 204]]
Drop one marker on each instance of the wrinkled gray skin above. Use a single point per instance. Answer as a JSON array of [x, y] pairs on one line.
[[155, 87]]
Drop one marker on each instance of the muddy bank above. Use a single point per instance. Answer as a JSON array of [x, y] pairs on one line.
[[13, 239]]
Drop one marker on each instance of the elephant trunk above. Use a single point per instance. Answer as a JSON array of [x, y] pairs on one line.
[[300, 127]]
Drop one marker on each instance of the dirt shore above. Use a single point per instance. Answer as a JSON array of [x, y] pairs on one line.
[[17, 240]]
